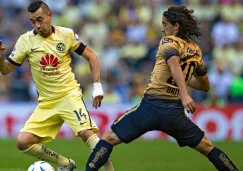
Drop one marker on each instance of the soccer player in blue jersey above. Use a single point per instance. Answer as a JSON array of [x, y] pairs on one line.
[[178, 64], [47, 49]]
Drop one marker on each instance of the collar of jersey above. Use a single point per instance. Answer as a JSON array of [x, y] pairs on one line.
[[52, 29]]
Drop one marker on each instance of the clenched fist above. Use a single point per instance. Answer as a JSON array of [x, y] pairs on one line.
[[2, 50]]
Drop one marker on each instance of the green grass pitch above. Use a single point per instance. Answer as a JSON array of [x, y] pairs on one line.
[[156, 155]]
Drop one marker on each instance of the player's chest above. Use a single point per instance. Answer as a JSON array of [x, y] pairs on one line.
[[47, 51]]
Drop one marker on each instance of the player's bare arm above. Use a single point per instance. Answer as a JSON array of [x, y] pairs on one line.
[[5, 66], [176, 72], [90, 56], [199, 83]]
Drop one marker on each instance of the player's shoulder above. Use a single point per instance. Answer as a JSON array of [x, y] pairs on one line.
[[170, 42], [193, 46], [170, 39], [26, 36], [63, 30]]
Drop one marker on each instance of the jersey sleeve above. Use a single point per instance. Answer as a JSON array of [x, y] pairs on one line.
[[75, 41], [19, 52], [168, 48], [201, 69], [200, 59]]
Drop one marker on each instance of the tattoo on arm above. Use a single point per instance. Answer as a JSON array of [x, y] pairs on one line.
[[97, 79], [94, 66], [91, 67], [95, 75]]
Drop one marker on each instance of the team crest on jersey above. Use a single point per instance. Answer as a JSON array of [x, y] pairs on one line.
[[49, 65], [60, 47]]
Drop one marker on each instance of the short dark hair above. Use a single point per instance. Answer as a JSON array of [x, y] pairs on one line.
[[35, 5], [188, 24]]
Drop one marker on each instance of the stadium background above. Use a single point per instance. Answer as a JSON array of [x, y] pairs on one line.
[[125, 36]]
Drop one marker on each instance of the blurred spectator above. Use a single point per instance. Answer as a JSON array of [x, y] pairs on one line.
[[236, 90], [236, 60], [136, 31], [19, 89], [111, 52], [231, 10], [56, 7], [94, 33], [98, 9], [4, 88], [68, 16], [138, 86], [225, 32], [220, 80], [133, 52]]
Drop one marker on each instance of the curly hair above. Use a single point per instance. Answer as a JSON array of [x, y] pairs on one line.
[[188, 24]]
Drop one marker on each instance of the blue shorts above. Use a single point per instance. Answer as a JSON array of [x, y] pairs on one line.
[[158, 114]]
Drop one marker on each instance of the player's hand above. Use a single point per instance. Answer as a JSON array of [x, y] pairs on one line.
[[2, 50], [98, 94], [188, 104], [97, 101]]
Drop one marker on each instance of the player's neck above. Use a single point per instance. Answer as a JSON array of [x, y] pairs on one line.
[[51, 30], [175, 33], [48, 34]]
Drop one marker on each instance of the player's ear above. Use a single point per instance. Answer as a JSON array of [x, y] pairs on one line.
[[50, 14], [176, 26], [176, 29]]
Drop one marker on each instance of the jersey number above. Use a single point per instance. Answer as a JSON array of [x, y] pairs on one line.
[[79, 114], [189, 72]]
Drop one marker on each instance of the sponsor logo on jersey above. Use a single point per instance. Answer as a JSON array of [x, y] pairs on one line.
[[167, 40], [33, 49], [49, 65], [189, 50], [49, 60]]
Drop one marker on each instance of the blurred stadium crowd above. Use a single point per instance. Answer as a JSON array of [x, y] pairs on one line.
[[125, 35]]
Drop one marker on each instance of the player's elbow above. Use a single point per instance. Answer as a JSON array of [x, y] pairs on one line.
[[88, 54], [204, 83], [4, 73], [7, 71], [206, 88]]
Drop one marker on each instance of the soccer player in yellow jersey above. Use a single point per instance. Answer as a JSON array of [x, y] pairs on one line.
[[178, 63], [47, 49]]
